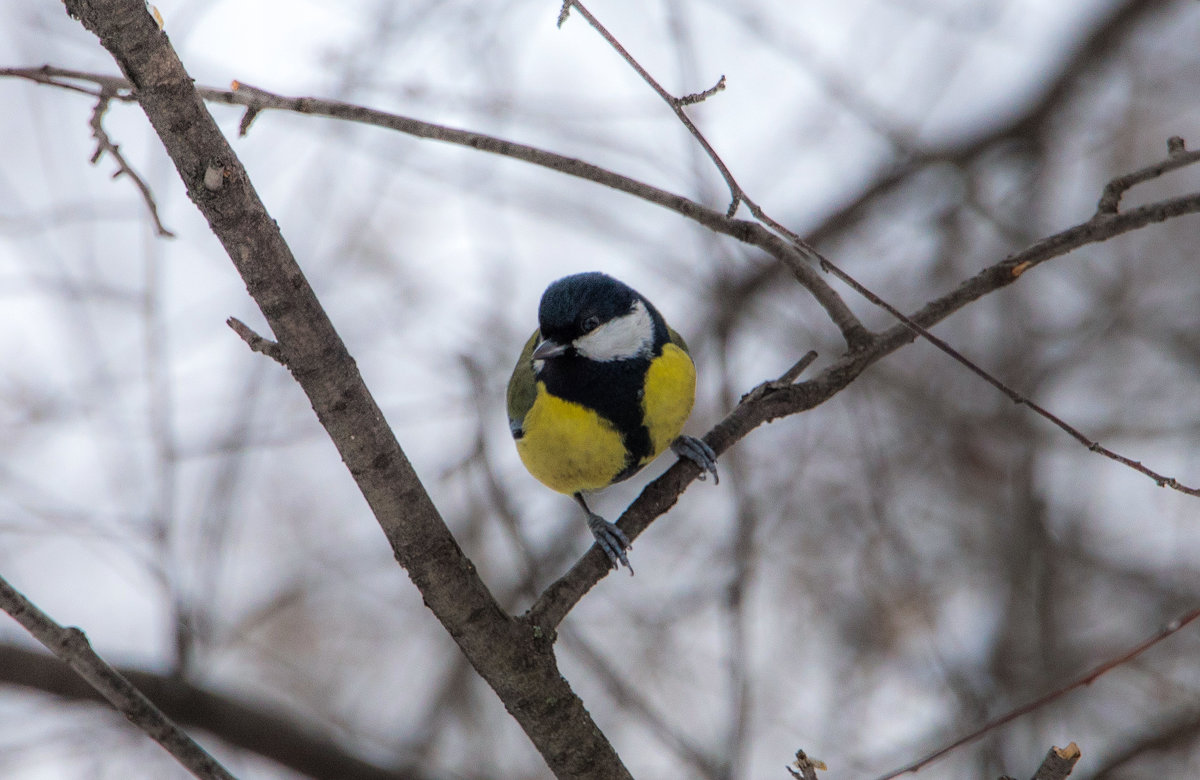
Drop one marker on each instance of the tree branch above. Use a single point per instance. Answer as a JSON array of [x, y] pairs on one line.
[[1178, 157], [257, 100], [736, 194], [256, 342], [1086, 679], [1058, 763], [285, 741], [104, 145], [71, 646], [865, 348], [1017, 398], [516, 660], [775, 399]]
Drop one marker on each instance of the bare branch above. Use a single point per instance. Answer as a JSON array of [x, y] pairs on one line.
[[110, 88], [57, 77], [515, 659], [700, 97], [780, 400], [256, 342], [1079, 682], [283, 740], [748, 232], [104, 145], [1177, 157], [1017, 398], [1058, 763], [736, 193], [251, 111], [805, 767], [70, 645]]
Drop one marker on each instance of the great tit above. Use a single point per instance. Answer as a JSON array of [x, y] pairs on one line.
[[602, 388]]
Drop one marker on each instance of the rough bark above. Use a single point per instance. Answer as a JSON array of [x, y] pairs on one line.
[[513, 657]]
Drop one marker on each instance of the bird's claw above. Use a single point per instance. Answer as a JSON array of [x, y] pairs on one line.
[[698, 452], [612, 541]]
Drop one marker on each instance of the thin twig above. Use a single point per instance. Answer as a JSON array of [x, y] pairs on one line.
[[788, 377], [251, 97], [256, 342], [1159, 479], [700, 97], [736, 193], [70, 645], [805, 767], [1058, 763], [104, 145], [1086, 679], [1177, 157], [54, 77], [252, 111], [774, 401]]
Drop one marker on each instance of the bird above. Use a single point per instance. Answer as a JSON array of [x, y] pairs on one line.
[[602, 387]]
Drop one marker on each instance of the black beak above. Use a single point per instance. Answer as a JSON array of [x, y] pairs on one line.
[[548, 349]]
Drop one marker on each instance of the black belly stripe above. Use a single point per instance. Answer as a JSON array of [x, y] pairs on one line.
[[614, 390], [637, 449]]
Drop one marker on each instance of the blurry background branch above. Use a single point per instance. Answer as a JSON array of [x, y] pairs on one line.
[[1023, 125], [73, 649], [262, 730], [1083, 680]]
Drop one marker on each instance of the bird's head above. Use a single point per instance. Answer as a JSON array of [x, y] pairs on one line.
[[594, 316]]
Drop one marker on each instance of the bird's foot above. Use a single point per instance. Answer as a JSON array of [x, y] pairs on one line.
[[612, 540], [698, 452]]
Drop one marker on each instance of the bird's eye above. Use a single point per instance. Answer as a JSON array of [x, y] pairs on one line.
[[591, 323]]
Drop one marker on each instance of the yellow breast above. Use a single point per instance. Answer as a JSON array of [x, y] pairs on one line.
[[568, 447], [669, 394]]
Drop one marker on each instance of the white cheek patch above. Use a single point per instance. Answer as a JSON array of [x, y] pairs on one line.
[[620, 338]]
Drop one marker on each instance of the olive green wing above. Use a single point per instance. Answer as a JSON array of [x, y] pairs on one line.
[[522, 388], [677, 340]]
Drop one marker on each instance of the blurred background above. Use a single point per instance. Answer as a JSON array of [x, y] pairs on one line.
[[868, 581]]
